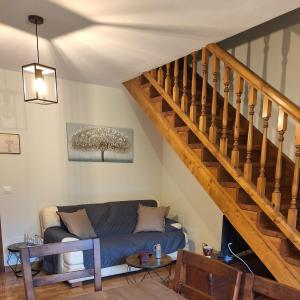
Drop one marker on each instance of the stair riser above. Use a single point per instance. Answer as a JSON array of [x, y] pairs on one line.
[[258, 242], [289, 251], [215, 171], [189, 137], [233, 192], [267, 227], [161, 106]]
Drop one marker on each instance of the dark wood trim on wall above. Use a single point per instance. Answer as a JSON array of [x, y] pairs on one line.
[[1, 252]]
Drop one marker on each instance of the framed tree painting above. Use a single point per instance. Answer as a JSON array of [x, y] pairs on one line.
[[10, 143], [99, 143]]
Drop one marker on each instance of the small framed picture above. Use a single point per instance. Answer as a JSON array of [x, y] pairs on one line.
[[10, 143]]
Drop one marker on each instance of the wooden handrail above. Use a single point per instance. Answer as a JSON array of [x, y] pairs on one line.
[[275, 96], [221, 134]]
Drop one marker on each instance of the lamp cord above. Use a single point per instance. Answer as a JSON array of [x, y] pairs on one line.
[[37, 41], [229, 244]]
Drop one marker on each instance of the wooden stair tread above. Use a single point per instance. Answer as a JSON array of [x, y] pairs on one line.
[[182, 129], [289, 252], [230, 131], [169, 113], [293, 259], [230, 184], [195, 145], [271, 231], [156, 99], [212, 164], [244, 147], [268, 229], [248, 204]]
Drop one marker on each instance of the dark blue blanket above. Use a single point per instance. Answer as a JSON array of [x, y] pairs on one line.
[[115, 249], [114, 223]]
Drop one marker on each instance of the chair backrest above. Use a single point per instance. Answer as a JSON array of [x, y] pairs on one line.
[[255, 286], [200, 278], [59, 248]]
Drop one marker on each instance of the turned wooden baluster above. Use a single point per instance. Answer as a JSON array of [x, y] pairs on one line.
[[266, 114], [282, 125], [153, 73], [235, 153], [252, 96], [293, 211], [160, 76], [224, 139], [202, 119], [184, 98], [193, 107], [168, 79], [213, 126], [176, 86]]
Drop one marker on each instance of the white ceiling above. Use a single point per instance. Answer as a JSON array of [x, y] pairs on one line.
[[107, 42]]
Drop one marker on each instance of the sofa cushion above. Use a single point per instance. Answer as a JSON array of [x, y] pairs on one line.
[[151, 218], [78, 223], [115, 249], [111, 218]]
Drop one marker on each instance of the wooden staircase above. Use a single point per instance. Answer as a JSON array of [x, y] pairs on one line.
[[251, 180]]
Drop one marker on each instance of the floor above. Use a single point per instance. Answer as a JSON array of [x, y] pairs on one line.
[[11, 288]]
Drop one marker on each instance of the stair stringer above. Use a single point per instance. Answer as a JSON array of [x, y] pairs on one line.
[[262, 245], [277, 218]]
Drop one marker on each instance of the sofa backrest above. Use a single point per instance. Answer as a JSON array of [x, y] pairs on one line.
[[111, 218]]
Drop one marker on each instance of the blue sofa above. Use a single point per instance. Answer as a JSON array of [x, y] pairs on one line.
[[114, 223]]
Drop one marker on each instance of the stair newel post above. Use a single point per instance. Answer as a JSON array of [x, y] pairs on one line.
[[224, 139], [184, 98], [160, 76], [266, 114], [252, 96], [235, 153], [293, 211], [153, 73], [213, 126], [168, 79], [176, 86], [193, 107], [202, 119], [282, 125]]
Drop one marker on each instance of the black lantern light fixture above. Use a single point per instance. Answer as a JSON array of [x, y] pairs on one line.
[[39, 81]]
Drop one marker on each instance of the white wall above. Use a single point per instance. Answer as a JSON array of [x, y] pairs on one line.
[[272, 51], [42, 175], [189, 202]]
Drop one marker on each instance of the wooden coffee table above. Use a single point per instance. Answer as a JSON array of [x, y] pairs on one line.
[[150, 267]]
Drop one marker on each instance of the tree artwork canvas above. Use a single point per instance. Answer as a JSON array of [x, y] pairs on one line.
[[99, 143]]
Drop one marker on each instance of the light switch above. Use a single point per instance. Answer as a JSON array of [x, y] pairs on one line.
[[7, 189]]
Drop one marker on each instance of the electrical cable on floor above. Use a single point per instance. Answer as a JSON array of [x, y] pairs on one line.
[[229, 244]]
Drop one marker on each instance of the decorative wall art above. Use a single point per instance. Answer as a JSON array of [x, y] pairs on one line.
[[10, 143], [99, 143]]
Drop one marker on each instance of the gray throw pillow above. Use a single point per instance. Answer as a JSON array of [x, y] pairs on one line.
[[151, 218], [78, 223]]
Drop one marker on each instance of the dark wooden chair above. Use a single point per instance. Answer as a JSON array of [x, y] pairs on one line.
[[59, 248], [256, 287], [200, 278]]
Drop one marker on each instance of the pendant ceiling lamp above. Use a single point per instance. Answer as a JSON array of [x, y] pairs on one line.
[[39, 81]]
